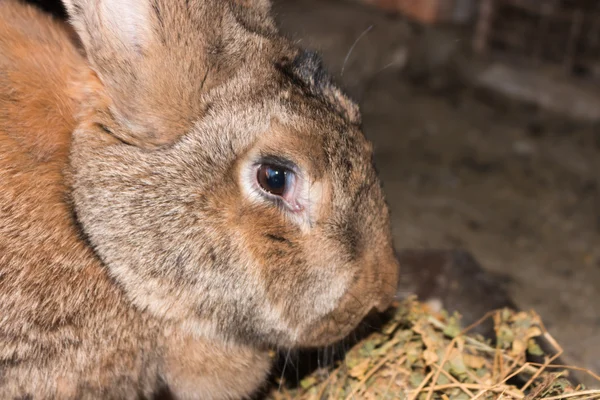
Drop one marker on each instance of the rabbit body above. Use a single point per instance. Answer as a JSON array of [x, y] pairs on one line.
[[137, 250]]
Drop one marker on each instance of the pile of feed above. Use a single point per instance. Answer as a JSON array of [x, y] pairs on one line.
[[423, 355]]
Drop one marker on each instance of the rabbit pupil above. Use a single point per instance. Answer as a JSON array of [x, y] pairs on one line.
[[273, 179]]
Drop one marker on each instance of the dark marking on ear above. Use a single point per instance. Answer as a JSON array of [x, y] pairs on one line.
[[307, 72], [308, 65], [300, 70]]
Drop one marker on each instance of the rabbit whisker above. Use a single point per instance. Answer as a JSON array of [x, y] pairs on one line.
[[353, 46], [285, 363]]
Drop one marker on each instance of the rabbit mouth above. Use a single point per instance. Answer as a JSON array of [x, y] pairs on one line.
[[367, 294], [333, 327]]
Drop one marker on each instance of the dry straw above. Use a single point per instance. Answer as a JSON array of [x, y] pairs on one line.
[[423, 355]]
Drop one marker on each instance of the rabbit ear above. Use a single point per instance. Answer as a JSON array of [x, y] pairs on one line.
[[120, 42], [256, 14], [156, 58], [123, 25]]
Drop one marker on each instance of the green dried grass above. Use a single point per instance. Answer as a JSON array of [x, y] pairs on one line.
[[422, 355]]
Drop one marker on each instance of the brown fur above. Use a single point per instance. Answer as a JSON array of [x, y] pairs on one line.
[[134, 251]]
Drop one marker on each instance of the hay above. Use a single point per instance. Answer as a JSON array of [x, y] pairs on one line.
[[422, 355]]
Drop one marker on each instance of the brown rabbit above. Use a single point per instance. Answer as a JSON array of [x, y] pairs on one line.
[[191, 193]]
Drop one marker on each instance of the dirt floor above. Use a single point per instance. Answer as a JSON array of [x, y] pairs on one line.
[[517, 188]]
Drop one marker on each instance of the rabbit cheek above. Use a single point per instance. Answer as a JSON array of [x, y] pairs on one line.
[[299, 283], [314, 287]]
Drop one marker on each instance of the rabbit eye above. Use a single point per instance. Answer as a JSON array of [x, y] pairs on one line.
[[274, 180]]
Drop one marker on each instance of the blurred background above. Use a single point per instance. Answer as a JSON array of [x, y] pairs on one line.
[[485, 116]]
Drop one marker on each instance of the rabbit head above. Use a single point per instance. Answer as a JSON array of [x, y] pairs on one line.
[[222, 177]]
